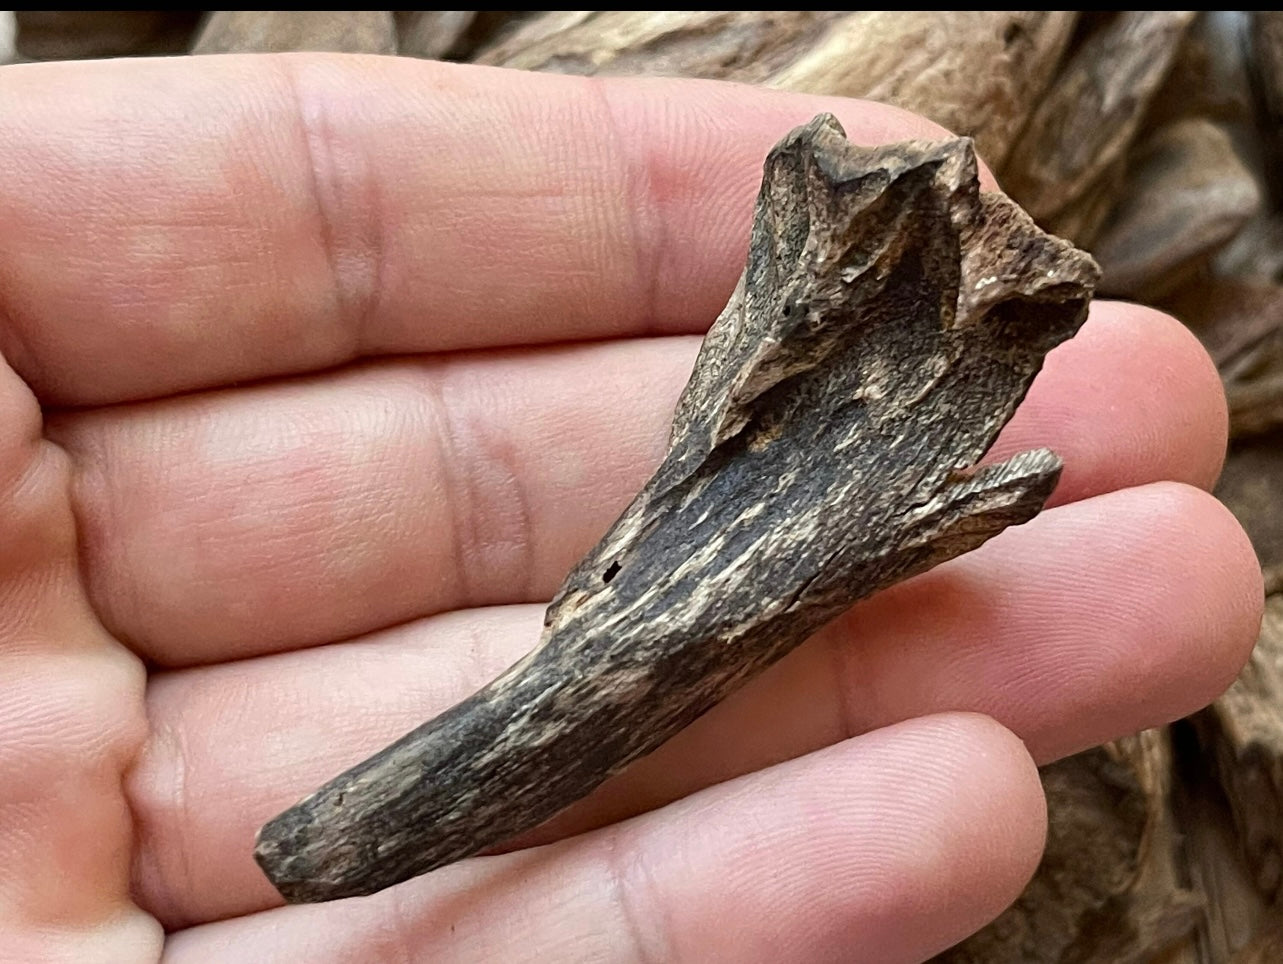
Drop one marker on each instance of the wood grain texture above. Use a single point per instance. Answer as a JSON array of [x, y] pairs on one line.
[[977, 73], [889, 320], [1187, 193], [278, 31], [1265, 58], [1068, 164], [1244, 731], [431, 34]]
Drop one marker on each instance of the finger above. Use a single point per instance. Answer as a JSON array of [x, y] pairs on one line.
[[71, 722], [237, 523], [313, 209], [1090, 622], [899, 844]]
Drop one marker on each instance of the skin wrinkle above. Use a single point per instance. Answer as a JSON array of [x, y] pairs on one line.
[[169, 741], [315, 133], [620, 864], [646, 223], [460, 486]]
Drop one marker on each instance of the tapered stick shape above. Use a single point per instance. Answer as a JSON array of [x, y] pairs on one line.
[[889, 321]]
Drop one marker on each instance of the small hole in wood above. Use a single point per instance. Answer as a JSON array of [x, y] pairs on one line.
[[611, 572]]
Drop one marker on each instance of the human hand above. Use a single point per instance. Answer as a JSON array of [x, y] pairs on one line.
[[366, 352]]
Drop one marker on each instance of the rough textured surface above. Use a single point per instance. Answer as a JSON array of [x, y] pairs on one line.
[[1244, 728], [743, 45], [925, 61], [1266, 69], [8, 28], [73, 34], [888, 322], [277, 31], [977, 72], [1068, 163], [431, 33], [1187, 193]]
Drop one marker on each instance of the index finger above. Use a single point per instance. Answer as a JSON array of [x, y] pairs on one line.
[[178, 224]]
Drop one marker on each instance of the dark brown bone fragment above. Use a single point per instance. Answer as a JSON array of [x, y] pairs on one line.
[[888, 322]]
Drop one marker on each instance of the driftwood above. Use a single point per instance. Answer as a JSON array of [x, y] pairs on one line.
[[888, 322], [1068, 165], [275, 31], [924, 61]]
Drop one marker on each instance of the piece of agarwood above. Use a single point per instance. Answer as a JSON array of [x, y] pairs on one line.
[[1234, 912], [8, 27], [1251, 486], [75, 34], [1208, 77], [1266, 947], [1240, 322], [975, 72], [889, 320], [978, 73], [431, 34], [744, 45], [1186, 195], [1256, 252], [1244, 731], [1109, 889], [1084, 125], [277, 31], [1230, 316], [1265, 58]]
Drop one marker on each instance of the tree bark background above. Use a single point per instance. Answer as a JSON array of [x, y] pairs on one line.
[[1154, 138]]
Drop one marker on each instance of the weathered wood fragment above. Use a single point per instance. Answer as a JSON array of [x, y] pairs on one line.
[[1187, 194], [1266, 947], [1071, 151], [1265, 53], [743, 45], [978, 73], [888, 322], [1251, 486], [1210, 859], [432, 34], [1208, 77], [76, 34], [277, 31], [1244, 731], [8, 29]]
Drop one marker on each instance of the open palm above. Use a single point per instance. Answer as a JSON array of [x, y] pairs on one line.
[[321, 372]]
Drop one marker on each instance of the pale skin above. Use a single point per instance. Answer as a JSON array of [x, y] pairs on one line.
[[366, 352]]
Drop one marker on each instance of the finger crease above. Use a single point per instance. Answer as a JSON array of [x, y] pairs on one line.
[[460, 497], [623, 869], [353, 254], [647, 227]]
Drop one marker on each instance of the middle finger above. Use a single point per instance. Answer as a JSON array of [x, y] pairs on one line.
[[232, 523]]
